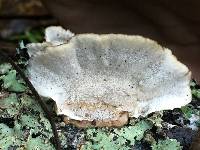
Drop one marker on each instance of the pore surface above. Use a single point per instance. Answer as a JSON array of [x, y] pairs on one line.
[[96, 77]]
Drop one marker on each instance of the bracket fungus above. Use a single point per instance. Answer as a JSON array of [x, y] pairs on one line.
[[103, 79]]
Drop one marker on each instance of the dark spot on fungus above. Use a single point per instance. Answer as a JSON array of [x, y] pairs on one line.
[[93, 122], [86, 115]]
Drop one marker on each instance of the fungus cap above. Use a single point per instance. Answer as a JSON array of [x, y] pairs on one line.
[[102, 77]]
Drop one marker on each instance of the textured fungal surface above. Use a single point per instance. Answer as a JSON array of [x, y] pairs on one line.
[[23, 124], [102, 77]]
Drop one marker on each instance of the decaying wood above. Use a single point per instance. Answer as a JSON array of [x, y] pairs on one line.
[[196, 142], [121, 120]]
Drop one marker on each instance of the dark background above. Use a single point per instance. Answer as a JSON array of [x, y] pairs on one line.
[[174, 24]]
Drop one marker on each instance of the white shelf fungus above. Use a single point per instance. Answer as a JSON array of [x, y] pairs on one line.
[[106, 78]]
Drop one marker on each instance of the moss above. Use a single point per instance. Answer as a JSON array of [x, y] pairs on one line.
[[31, 35], [187, 111], [196, 93], [195, 89], [168, 144]]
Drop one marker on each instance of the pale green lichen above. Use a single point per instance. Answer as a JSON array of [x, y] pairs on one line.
[[8, 138], [28, 102], [30, 128], [156, 119], [11, 83], [32, 123], [38, 143], [63, 140], [168, 144], [135, 132], [10, 105], [118, 139], [190, 111], [4, 68]]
